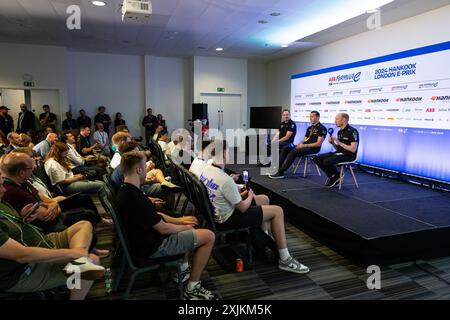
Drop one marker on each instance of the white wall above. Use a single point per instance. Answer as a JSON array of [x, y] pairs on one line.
[[114, 81], [257, 84], [422, 30], [46, 64], [210, 73], [167, 86]]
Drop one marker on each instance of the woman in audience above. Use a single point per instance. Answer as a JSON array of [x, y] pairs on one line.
[[118, 121], [161, 121], [60, 174]]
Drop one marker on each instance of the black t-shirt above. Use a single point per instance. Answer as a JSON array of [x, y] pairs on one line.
[[347, 136], [285, 127], [6, 124], [84, 143], [86, 121], [150, 123], [314, 132], [103, 118], [138, 216], [50, 118]]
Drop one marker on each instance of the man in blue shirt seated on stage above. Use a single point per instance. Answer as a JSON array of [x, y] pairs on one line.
[[311, 144], [346, 145]]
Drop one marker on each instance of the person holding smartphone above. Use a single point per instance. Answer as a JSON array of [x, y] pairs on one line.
[[232, 210], [31, 261]]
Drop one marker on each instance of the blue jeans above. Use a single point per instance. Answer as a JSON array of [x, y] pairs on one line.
[[92, 187]]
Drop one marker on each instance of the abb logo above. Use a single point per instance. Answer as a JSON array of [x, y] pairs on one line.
[[431, 110]]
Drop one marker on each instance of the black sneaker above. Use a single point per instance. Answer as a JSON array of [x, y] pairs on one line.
[[334, 181], [184, 275], [199, 293], [278, 175]]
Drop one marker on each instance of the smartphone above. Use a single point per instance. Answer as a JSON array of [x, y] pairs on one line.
[[33, 210]]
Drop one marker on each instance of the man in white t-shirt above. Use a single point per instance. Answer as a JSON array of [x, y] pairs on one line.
[[235, 210], [200, 162]]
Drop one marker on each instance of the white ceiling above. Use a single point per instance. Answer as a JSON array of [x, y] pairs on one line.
[[182, 28]]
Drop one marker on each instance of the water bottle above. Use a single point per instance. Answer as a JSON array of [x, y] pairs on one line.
[[108, 281]]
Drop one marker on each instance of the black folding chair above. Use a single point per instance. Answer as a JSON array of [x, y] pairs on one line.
[[206, 210], [137, 265]]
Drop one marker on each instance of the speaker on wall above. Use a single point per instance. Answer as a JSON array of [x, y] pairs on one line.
[[199, 111]]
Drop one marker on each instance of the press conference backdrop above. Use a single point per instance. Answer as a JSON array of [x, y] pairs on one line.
[[400, 104]]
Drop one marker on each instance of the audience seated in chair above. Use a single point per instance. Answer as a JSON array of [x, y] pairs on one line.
[[234, 210], [153, 235], [155, 184], [117, 139], [59, 172], [31, 261], [17, 168], [79, 164], [43, 148]]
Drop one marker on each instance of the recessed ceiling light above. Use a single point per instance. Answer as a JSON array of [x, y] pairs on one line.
[[275, 14], [219, 49], [263, 21], [284, 45], [99, 3]]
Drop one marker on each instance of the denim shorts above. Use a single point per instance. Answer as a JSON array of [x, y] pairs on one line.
[[177, 243]]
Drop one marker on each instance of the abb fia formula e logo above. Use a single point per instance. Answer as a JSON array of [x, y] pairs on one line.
[[345, 78]]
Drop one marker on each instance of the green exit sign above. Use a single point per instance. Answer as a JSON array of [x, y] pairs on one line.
[[220, 89], [28, 84]]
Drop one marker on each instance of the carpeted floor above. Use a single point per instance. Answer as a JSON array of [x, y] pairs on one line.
[[331, 277]]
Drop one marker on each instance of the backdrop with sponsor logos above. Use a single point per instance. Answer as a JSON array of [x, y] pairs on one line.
[[400, 104]]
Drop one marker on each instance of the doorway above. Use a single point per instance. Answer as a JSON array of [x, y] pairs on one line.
[[34, 99]]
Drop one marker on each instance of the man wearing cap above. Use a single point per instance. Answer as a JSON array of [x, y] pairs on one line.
[[6, 124]]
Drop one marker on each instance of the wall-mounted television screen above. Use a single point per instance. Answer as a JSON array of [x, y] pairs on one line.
[[265, 117]]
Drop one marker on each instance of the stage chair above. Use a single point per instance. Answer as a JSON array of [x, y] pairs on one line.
[[307, 159], [343, 166]]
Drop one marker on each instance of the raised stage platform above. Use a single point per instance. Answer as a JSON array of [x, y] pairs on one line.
[[383, 222]]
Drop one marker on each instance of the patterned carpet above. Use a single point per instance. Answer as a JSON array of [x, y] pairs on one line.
[[332, 277]]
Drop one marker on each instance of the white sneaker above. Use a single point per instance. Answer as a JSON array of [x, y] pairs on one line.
[[87, 269], [292, 265]]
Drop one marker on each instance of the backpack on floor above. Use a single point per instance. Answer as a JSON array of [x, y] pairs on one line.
[[264, 246]]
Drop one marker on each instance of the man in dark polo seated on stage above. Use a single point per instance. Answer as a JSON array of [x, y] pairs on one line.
[[311, 144], [346, 145]]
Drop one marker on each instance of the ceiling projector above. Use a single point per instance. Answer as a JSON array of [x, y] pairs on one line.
[[136, 10]]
